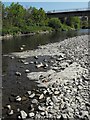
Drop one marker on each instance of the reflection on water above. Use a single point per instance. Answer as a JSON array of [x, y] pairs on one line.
[[31, 42]]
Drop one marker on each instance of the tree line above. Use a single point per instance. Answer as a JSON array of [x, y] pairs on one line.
[[18, 20]]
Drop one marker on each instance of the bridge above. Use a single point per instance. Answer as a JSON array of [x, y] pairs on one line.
[[68, 12]]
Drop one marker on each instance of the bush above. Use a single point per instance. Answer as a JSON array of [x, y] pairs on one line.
[[55, 23]]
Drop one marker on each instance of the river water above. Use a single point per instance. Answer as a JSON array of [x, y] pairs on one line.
[[19, 86], [31, 42]]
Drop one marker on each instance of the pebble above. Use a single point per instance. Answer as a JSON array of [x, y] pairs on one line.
[[26, 63], [29, 92], [31, 114], [27, 71], [32, 95], [11, 112], [56, 92], [23, 114], [34, 101], [18, 98], [41, 96], [18, 73], [9, 107]]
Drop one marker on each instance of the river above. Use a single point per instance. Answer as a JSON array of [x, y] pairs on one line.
[[13, 85]]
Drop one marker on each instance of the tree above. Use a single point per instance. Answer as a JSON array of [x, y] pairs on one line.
[[55, 23], [74, 22]]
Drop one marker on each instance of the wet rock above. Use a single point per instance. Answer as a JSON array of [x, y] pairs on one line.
[[21, 48], [24, 98], [40, 65], [9, 107], [29, 92], [26, 63], [10, 112], [23, 114], [23, 45], [18, 73], [18, 98], [27, 71], [31, 62], [31, 114], [36, 57], [12, 57]]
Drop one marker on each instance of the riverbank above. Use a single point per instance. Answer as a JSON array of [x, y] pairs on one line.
[[33, 33], [51, 81]]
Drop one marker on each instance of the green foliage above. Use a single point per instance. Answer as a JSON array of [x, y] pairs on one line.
[[75, 22], [55, 23], [17, 19]]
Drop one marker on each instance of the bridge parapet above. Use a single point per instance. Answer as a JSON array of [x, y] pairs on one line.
[[67, 10]]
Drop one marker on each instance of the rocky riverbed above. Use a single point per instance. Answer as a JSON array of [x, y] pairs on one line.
[[61, 73]]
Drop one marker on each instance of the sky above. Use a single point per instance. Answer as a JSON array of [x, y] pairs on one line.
[[52, 5]]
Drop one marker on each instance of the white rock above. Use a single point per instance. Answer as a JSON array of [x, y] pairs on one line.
[[23, 114], [21, 48], [9, 107], [42, 113], [11, 112], [56, 92], [26, 63], [18, 98], [31, 114], [29, 92], [41, 108], [45, 91], [41, 96], [27, 71], [31, 62], [32, 95], [39, 65], [35, 101], [18, 73]]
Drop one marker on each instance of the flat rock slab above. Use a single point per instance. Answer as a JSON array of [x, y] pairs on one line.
[[72, 72]]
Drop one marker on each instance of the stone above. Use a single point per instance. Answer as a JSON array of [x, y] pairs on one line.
[[54, 98], [56, 92], [29, 92], [31, 62], [45, 91], [34, 101], [18, 73], [26, 63], [32, 95], [21, 48], [42, 113], [41, 108], [41, 96], [9, 107], [39, 65], [23, 45], [11, 112], [23, 114], [27, 71], [18, 98], [31, 114], [24, 98], [36, 57]]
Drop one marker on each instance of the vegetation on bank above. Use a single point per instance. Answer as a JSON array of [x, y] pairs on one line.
[[19, 20]]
